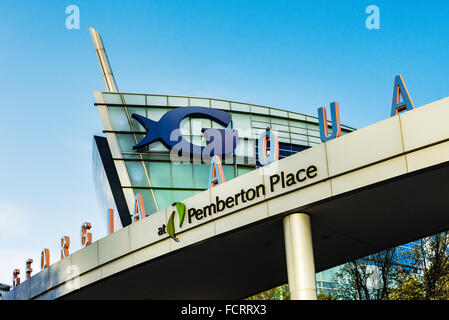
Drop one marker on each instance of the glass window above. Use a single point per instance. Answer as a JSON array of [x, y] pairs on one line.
[[243, 170], [180, 195], [134, 99], [184, 126], [126, 142], [157, 100], [313, 126], [198, 102], [298, 130], [257, 109], [178, 102], [314, 140], [160, 174], [279, 121], [229, 172], [201, 176], [260, 118], [298, 124], [136, 125], [312, 119], [242, 123], [245, 148], [182, 175], [279, 127], [156, 114], [112, 98], [279, 113], [148, 201], [261, 125], [119, 119], [300, 142], [199, 124], [136, 174], [299, 136], [296, 116], [157, 146], [219, 104], [239, 107]]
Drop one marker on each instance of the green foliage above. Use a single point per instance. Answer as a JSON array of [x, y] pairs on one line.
[[326, 296], [278, 293]]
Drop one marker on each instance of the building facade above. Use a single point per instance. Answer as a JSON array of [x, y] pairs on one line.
[[121, 172]]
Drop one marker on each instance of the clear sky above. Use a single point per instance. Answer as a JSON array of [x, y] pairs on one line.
[[295, 55]]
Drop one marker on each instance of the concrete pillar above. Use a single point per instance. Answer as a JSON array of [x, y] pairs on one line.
[[299, 254]]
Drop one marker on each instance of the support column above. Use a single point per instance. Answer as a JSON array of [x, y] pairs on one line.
[[299, 254]]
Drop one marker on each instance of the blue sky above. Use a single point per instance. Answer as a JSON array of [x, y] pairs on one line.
[[295, 55]]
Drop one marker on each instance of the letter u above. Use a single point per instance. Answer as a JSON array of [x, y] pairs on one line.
[[336, 126]]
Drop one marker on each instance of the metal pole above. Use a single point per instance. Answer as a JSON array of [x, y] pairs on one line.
[[103, 60], [299, 254]]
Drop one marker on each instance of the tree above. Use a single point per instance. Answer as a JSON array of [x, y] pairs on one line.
[[369, 278], [278, 293], [427, 276]]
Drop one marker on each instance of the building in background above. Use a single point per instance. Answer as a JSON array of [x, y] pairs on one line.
[[4, 288]]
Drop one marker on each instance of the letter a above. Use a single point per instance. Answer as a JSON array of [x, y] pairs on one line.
[[398, 106], [322, 120], [216, 175], [139, 209]]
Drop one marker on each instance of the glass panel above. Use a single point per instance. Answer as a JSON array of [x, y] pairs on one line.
[[312, 119], [180, 195], [218, 104], [126, 142], [284, 140], [298, 124], [157, 146], [136, 125], [156, 114], [300, 142], [239, 107], [258, 109], [184, 126], [260, 118], [262, 125], [243, 170], [298, 130], [313, 126], [299, 136], [279, 121], [157, 100], [242, 123], [112, 98], [182, 175], [164, 198], [160, 174], [119, 119], [148, 201], [279, 113], [314, 140], [201, 175], [196, 102], [134, 99], [199, 124], [297, 116], [279, 127], [229, 172], [245, 148], [136, 174], [178, 102]]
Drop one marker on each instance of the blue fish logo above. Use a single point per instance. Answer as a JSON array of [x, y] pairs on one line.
[[166, 130]]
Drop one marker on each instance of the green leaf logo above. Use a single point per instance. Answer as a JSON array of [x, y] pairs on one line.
[[181, 209]]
